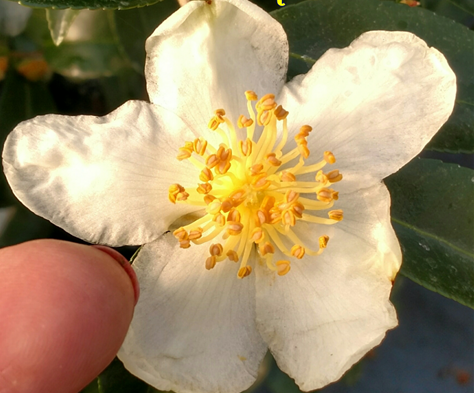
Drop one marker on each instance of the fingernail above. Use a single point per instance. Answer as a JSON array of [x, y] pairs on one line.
[[126, 266]]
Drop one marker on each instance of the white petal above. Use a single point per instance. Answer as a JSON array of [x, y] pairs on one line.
[[375, 104], [13, 17], [193, 329], [329, 310], [205, 56], [103, 179]]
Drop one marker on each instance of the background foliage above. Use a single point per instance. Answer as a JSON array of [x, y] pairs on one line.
[[72, 60]]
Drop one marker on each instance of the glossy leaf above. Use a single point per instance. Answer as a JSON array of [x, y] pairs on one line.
[[433, 215], [315, 26], [88, 4]]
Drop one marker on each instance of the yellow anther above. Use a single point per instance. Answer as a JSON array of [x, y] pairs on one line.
[[200, 146], [209, 198], [214, 207], [258, 235], [220, 113], [321, 177], [267, 203], [262, 217], [287, 176], [280, 113], [214, 123], [334, 176], [260, 182], [211, 262], [184, 243], [326, 195], [335, 195], [303, 148], [297, 251], [182, 196], [272, 160], [226, 205], [329, 157], [180, 234], [223, 167], [244, 271], [233, 256], [212, 161], [204, 188], [216, 249], [266, 248], [291, 196], [195, 234], [251, 96], [184, 153], [283, 267], [206, 175], [219, 219], [288, 218], [246, 147], [233, 215], [256, 169], [244, 122], [173, 191], [266, 103], [234, 228], [275, 216], [224, 154], [237, 197], [337, 215], [297, 209], [264, 117], [305, 130], [323, 241]]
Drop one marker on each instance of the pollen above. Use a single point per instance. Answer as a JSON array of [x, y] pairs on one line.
[[253, 189]]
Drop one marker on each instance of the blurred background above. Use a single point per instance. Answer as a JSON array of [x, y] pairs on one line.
[[91, 61]]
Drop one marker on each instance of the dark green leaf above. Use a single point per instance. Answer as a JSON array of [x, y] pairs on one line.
[[433, 215], [135, 26], [19, 100], [315, 26], [116, 379], [88, 4]]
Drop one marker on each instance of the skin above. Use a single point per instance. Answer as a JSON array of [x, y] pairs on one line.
[[65, 309]]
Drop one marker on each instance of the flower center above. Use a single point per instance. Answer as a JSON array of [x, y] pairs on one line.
[[251, 193]]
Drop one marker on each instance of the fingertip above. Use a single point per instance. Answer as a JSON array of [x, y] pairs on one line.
[[125, 265], [65, 312]]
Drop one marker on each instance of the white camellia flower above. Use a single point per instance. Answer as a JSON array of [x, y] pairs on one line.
[[272, 244]]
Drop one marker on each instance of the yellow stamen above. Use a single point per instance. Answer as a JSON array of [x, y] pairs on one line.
[[329, 157], [283, 267], [336, 215], [249, 200]]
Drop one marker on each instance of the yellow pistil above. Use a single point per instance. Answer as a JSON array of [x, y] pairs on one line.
[[251, 191]]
